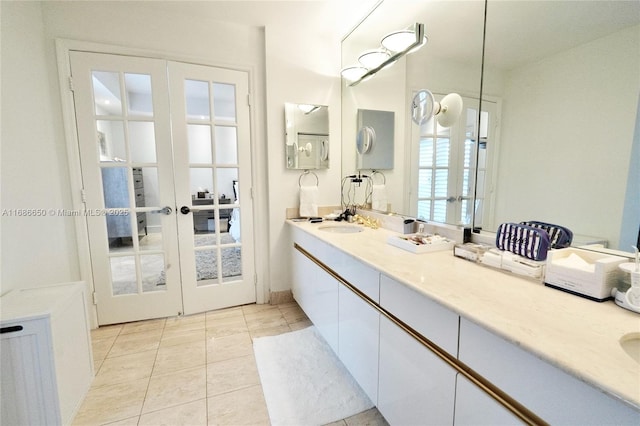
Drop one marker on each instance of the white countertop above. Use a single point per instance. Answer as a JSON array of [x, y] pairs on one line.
[[36, 302], [575, 334]]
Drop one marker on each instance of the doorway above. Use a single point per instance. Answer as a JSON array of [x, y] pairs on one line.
[[165, 156]]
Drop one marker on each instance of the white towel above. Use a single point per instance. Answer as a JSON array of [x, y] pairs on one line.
[[308, 201], [379, 198]]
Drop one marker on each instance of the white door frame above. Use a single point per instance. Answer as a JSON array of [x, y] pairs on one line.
[[258, 157]]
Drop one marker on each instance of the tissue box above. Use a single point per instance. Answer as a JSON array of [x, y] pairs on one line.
[[594, 283]]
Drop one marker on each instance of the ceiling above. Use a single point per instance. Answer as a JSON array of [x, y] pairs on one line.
[[511, 26]]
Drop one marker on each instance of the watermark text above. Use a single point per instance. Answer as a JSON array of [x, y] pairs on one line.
[[64, 212]]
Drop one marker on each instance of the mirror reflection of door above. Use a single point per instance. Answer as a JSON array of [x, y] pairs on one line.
[[143, 159], [443, 173]]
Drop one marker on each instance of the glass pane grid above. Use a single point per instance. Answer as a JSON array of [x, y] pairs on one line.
[[138, 94], [107, 93], [439, 211], [197, 100], [123, 275], [224, 101], [424, 209], [425, 153]]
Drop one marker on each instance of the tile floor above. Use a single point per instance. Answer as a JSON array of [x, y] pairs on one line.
[[191, 370]]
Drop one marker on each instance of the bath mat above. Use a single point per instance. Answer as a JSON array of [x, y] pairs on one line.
[[303, 380]]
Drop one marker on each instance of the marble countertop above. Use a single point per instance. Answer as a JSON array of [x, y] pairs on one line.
[[575, 334]]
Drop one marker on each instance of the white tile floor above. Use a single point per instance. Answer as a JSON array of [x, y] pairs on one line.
[[192, 370]]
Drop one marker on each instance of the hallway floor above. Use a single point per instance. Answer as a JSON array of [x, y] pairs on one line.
[[192, 370]]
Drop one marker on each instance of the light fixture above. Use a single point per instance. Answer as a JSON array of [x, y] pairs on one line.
[[399, 41], [353, 73], [447, 111], [373, 58], [374, 61]]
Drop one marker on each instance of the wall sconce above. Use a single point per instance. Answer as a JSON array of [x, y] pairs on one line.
[[447, 111], [394, 46]]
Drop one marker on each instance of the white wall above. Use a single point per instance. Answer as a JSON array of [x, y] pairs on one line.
[[292, 49], [594, 154], [306, 72], [35, 250]]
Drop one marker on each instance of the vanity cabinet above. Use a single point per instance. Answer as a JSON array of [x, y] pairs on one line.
[[358, 337], [415, 385], [552, 394], [317, 294], [347, 322], [430, 319], [433, 366], [475, 408]]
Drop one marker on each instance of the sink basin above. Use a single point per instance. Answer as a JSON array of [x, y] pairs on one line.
[[631, 345], [341, 229]]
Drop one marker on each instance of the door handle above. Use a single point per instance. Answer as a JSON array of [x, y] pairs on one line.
[[165, 210], [185, 210], [11, 329]]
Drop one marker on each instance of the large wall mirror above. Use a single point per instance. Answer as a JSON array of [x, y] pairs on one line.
[[567, 91], [560, 93], [450, 61], [306, 136]]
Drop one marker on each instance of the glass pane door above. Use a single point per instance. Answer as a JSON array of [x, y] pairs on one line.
[[125, 146], [212, 157], [445, 168]]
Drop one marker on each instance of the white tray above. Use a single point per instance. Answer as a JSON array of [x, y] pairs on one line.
[[402, 242]]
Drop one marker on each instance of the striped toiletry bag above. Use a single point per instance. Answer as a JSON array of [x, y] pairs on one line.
[[524, 240], [559, 236]]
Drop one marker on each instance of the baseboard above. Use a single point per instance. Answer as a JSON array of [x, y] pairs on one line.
[[278, 297]]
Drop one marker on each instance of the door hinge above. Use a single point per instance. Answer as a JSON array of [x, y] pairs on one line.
[[83, 195], [71, 84], [249, 99], [95, 298], [255, 279], [251, 192]]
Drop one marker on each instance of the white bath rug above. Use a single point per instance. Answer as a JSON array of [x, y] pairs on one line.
[[304, 382]]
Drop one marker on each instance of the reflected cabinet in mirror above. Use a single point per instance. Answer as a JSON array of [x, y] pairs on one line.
[[306, 136], [556, 140]]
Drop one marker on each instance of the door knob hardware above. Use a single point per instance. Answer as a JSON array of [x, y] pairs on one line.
[[165, 210], [185, 210]]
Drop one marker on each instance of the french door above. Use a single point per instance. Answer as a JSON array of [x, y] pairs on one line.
[[165, 154], [444, 172]]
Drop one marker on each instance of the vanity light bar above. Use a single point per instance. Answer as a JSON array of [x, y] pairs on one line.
[[419, 32]]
